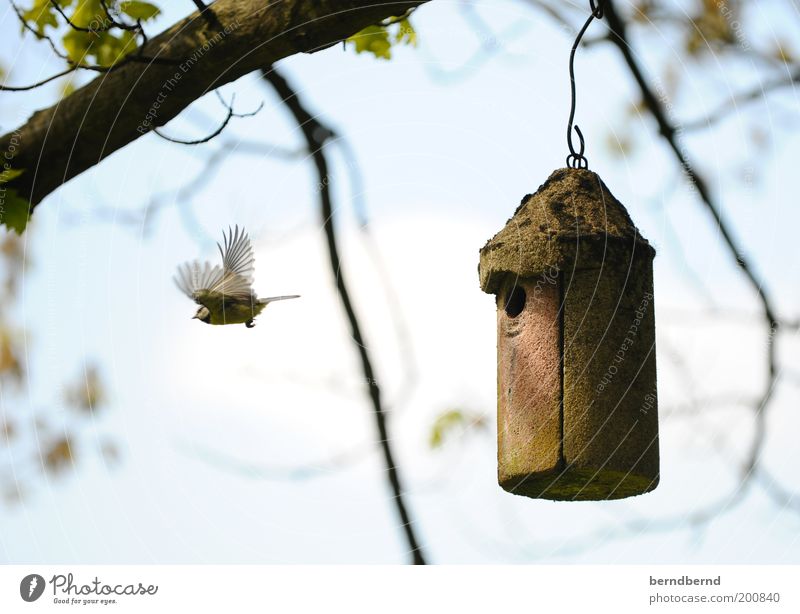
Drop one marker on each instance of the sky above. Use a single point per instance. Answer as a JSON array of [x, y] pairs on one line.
[[257, 445]]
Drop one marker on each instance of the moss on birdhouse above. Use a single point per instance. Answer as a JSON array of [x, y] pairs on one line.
[[577, 400], [572, 221]]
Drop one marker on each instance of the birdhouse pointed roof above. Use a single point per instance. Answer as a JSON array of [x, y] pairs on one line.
[[572, 221]]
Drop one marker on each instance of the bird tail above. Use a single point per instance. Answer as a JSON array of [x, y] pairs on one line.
[[272, 299]]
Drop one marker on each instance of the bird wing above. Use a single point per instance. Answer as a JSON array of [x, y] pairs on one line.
[[233, 279], [238, 257]]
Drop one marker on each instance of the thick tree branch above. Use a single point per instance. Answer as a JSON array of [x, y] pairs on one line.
[[60, 142], [316, 136]]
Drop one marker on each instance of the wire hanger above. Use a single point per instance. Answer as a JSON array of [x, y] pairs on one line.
[[576, 159]]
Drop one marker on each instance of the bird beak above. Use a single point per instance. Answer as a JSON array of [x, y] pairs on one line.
[[194, 317]]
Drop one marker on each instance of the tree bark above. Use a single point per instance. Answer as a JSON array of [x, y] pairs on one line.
[[194, 58]]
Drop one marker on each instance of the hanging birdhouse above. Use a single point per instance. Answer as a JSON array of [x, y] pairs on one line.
[[576, 358]]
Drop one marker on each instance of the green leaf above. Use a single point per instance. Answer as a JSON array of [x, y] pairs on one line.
[[69, 86], [111, 49], [139, 10], [379, 39], [78, 45], [88, 14], [41, 15], [15, 211], [444, 424], [406, 34], [374, 40], [9, 174], [454, 422], [105, 47]]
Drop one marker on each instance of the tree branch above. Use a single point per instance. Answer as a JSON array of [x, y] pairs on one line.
[[210, 137], [741, 99], [207, 13], [671, 135], [316, 136], [60, 142]]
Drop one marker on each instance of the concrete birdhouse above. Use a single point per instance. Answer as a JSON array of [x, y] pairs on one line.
[[576, 362]]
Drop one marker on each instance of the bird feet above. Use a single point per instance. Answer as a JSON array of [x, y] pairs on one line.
[[250, 324]]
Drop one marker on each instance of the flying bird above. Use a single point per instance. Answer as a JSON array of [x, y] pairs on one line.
[[225, 293]]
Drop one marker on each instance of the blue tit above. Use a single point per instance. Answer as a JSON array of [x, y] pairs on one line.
[[225, 294]]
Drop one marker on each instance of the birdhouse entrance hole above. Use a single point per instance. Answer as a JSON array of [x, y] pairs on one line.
[[515, 302]]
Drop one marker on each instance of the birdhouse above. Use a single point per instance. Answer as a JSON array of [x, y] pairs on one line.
[[576, 357]]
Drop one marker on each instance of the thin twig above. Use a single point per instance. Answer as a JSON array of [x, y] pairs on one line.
[[105, 27], [399, 19], [207, 13], [260, 471], [31, 29], [143, 217], [33, 86], [136, 27], [231, 114], [316, 135], [102, 28], [137, 56], [737, 100]]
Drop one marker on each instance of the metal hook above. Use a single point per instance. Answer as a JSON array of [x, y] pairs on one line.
[[576, 159]]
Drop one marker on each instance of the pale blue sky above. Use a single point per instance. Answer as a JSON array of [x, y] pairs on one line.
[[446, 152]]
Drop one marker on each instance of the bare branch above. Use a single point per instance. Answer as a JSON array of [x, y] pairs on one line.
[[261, 471], [670, 134], [316, 136], [26, 26], [733, 104], [231, 114], [136, 27], [143, 218], [33, 86], [401, 327], [105, 27]]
